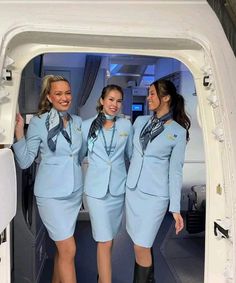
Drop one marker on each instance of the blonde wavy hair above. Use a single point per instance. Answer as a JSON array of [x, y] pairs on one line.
[[44, 104]]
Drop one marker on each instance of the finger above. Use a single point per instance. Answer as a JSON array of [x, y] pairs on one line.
[[177, 229], [18, 117], [179, 226]]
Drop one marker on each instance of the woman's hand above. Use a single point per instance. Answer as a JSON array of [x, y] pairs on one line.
[[179, 222], [19, 127]]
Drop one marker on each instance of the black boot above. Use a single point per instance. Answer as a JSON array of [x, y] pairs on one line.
[[151, 278], [143, 274]]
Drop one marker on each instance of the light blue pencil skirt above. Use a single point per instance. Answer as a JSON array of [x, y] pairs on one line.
[[59, 215], [144, 214], [106, 216]]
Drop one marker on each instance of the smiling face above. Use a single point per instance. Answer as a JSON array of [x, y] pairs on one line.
[[60, 95], [112, 102], [153, 99], [159, 105]]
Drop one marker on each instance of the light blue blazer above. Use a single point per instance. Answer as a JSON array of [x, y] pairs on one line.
[[107, 172], [158, 171], [59, 172]]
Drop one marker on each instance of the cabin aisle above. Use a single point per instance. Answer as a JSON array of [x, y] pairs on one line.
[[184, 255]]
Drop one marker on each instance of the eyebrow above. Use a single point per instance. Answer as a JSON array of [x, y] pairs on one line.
[[110, 96], [61, 91]]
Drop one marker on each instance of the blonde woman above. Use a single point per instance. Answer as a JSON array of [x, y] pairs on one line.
[[56, 135]]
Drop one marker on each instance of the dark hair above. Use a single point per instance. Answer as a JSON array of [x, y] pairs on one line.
[[105, 92], [166, 87], [44, 104]]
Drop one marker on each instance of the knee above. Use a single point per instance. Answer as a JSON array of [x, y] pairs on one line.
[[66, 249], [141, 252]]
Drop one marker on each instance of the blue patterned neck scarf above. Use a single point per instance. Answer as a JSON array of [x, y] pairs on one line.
[[151, 131], [96, 126], [54, 125]]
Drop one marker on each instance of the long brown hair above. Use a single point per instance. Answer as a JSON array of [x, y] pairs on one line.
[[44, 104], [177, 105]]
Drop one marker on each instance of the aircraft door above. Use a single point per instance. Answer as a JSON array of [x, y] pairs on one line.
[[7, 188], [7, 209]]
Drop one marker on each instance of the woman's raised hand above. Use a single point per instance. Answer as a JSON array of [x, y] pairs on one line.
[[19, 127]]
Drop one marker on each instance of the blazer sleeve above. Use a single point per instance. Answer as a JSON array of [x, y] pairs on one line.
[[84, 147], [78, 123], [26, 149], [129, 144], [176, 173]]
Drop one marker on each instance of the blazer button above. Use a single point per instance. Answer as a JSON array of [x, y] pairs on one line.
[[71, 155]]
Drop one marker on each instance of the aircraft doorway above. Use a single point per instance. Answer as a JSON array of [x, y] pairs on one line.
[[175, 257]]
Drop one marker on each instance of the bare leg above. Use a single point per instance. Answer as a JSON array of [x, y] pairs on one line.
[[66, 266], [143, 256], [104, 261], [55, 276]]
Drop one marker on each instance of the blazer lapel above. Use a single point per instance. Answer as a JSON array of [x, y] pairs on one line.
[[76, 135], [138, 131], [99, 145], [100, 148], [117, 141]]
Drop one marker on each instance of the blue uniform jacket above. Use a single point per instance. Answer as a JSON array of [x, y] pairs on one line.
[[158, 171], [107, 172], [59, 172]]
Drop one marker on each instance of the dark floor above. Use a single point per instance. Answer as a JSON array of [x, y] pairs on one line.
[[177, 259]]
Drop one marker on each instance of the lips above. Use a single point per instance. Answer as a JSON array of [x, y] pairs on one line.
[[113, 110], [65, 103]]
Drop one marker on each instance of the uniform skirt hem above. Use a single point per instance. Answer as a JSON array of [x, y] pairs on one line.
[[106, 240], [106, 216], [144, 215], [137, 242], [61, 238], [59, 215]]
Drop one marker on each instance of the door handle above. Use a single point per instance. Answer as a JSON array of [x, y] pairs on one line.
[[3, 237]]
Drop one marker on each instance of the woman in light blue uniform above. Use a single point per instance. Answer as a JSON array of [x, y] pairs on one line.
[[109, 141], [56, 136], [155, 174]]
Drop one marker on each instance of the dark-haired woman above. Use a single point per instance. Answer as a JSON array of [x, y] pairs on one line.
[[154, 179], [56, 135], [109, 140]]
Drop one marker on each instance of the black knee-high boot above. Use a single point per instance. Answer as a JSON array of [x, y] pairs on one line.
[[143, 274], [151, 278]]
